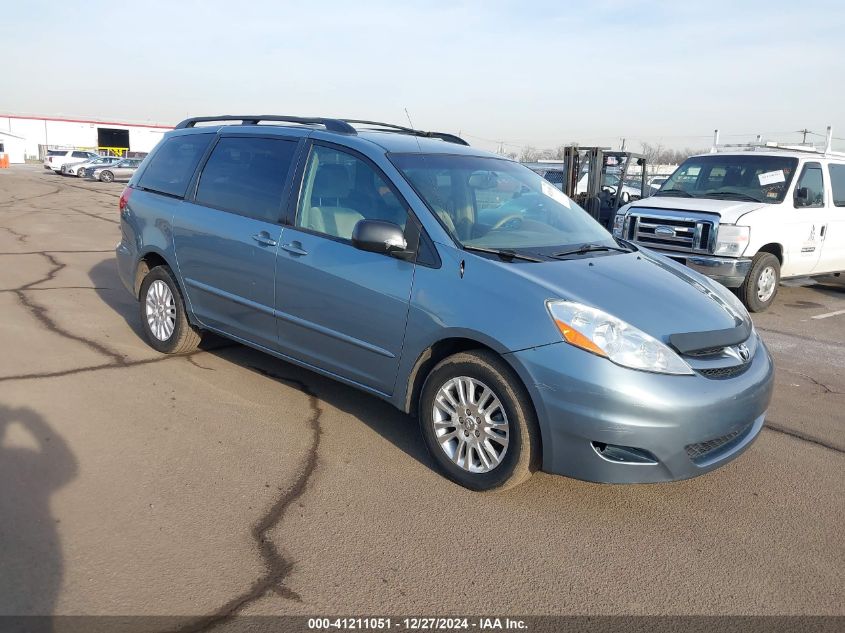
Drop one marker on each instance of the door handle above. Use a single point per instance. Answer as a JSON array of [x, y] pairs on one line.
[[822, 231], [294, 248], [264, 238]]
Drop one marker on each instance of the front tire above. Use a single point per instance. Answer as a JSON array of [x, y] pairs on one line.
[[760, 287], [478, 422], [163, 314], [106, 176]]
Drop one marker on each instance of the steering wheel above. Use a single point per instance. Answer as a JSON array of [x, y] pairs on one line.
[[506, 220]]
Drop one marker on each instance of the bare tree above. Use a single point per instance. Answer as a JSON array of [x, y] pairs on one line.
[[529, 155]]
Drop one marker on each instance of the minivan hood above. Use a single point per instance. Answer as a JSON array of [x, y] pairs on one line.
[[647, 290], [730, 211]]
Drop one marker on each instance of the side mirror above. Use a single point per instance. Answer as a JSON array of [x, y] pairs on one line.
[[377, 236], [802, 196]]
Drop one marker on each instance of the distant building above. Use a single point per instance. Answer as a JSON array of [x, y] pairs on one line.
[[14, 146], [39, 134]]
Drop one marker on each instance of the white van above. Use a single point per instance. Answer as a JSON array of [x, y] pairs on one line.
[[747, 217]]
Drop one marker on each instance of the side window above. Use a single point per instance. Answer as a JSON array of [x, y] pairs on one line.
[[174, 163], [809, 192], [247, 176], [79, 155], [837, 184], [339, 190]]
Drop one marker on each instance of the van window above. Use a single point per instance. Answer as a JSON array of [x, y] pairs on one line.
[[247, 176], [837, 184], [174, 163], [745, 177], [811, 181], [339, 190]]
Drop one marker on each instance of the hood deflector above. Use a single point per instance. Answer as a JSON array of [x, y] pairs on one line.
[[692, 341]]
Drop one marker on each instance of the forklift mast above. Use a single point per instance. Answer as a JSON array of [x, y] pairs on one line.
[[595, 177]]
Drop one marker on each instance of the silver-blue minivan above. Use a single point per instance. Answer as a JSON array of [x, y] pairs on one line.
[[456, 284]]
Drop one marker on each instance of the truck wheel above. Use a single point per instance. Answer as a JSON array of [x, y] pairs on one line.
[[760, 287], [163, 314], [478, 422]]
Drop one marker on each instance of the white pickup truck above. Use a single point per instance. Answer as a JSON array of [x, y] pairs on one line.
[[747, 218], [57, 157]]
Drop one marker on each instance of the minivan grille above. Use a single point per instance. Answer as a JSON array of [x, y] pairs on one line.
[[720, 373], [670, 232], [701, 451]]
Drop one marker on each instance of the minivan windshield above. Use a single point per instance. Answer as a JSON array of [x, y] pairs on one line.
[[747, 177], [491, 203]]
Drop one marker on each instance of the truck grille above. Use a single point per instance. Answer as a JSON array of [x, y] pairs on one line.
[[675, 232]]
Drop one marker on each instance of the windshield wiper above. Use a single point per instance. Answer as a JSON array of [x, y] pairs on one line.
[[673, 191], [504, 254], [590, 248], [738, 194]]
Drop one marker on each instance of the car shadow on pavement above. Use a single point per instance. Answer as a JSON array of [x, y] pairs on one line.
[[110, 289], [34, 463], [386, 420]]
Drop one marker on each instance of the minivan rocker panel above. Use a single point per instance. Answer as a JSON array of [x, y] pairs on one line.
[[461, 336]]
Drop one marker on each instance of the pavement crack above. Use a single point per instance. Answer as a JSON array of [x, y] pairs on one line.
[[798, 435], [93, 215], [42, 315], [802, 337], [113, 365], [20, 237], [818, 383], [55, 251], [277, 565]]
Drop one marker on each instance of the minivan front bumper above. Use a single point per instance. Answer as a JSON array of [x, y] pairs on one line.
[[605, 423]]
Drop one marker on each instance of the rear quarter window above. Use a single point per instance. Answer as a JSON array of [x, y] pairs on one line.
[[172, 166], [837, 184]]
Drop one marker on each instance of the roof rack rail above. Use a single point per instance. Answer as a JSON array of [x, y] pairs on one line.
[[390, 127], [760, 144], [332, 125]]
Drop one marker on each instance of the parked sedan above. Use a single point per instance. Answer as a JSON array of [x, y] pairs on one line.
[[122, 170], [78, 169]]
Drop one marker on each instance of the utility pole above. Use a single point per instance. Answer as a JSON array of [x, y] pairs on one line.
[[805, 132]]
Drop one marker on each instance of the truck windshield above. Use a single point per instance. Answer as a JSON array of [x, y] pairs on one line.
[[498, 204], [746, 177]]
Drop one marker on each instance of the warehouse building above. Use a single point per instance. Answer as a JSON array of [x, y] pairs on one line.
[[38, 134], [13, 146]]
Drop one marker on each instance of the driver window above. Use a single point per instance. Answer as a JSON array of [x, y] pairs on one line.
[[809, 192], [339, 190]]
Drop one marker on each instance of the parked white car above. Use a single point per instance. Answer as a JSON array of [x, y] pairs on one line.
[[56, 158], [77, 169], [747, 218]]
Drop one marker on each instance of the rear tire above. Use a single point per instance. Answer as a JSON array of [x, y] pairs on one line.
[[163, 314], [497, 444], [760, 287]]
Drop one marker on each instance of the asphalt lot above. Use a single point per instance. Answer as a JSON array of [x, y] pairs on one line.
[[229, 482]]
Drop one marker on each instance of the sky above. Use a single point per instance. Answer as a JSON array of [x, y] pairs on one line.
[[502, 74]]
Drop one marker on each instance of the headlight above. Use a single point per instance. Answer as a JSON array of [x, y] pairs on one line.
[[731, 240], [618, 223], [605, 335]]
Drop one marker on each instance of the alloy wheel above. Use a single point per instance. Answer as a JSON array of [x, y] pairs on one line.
[[160, 310], [470, 424]]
